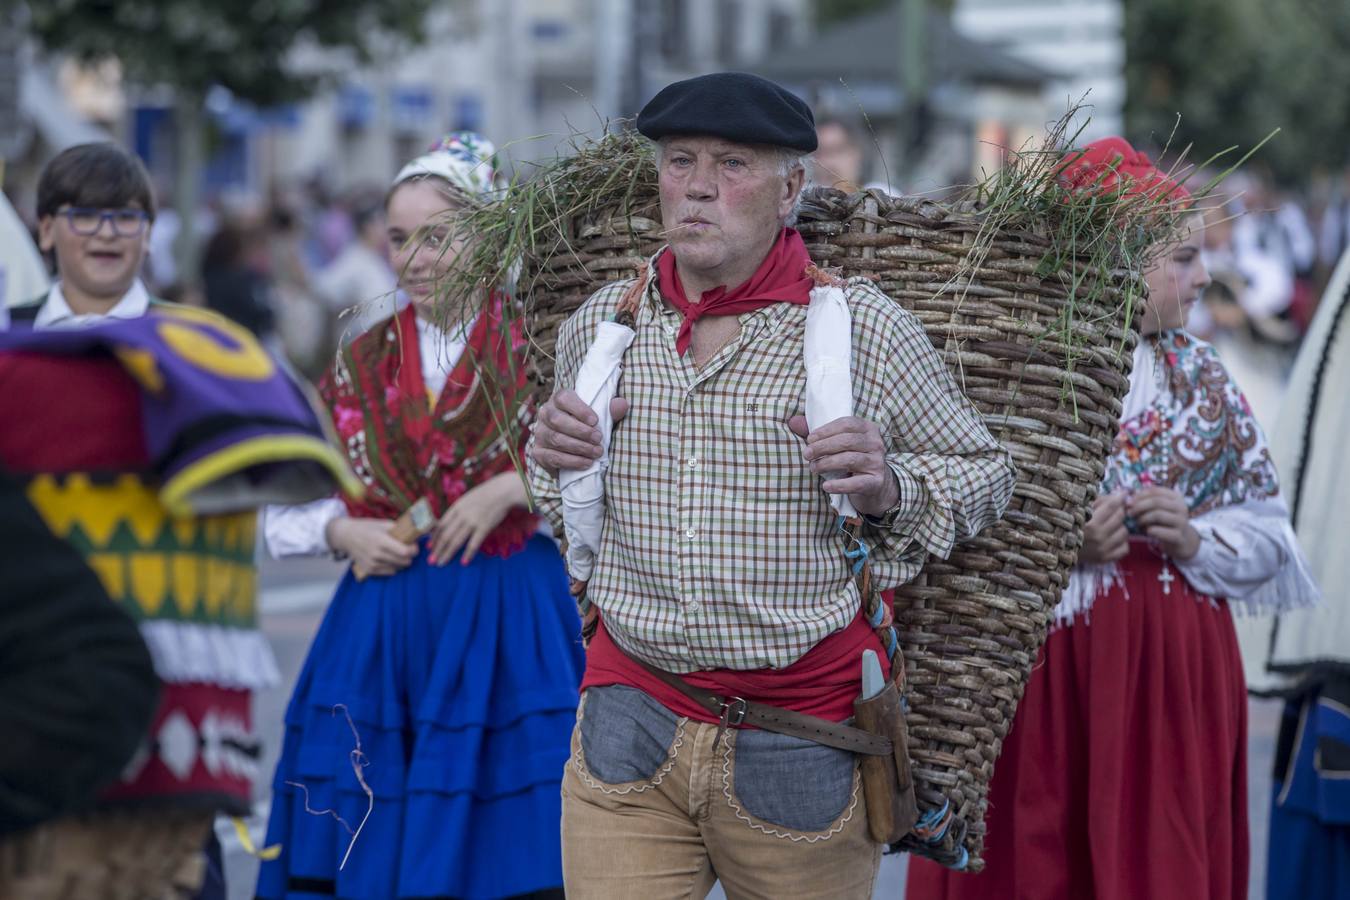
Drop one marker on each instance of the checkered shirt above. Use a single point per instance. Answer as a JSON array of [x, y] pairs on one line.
[[720, 550]]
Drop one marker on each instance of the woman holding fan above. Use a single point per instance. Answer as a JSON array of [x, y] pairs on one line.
[[426, 737]]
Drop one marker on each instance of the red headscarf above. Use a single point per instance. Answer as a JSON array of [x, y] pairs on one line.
[[1111, 165], [781, 278]]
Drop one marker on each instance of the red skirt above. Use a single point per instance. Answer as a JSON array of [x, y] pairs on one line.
[[1124, 775]]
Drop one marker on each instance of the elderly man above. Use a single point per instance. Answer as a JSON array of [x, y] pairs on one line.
[[721, 560]]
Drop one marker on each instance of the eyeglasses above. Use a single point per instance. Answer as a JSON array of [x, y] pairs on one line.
[[87, 221]]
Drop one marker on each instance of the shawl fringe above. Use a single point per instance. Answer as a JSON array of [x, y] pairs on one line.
[[1290, 588], [1086, 583]]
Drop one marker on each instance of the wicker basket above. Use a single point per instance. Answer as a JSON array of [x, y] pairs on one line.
[[145, 853], [603, 248], [971, 625]]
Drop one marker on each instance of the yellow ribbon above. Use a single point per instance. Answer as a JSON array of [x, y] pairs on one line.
[[266, 853]]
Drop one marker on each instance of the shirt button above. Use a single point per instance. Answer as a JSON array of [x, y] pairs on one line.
[[691, 532], [692, 606], [693, 462]]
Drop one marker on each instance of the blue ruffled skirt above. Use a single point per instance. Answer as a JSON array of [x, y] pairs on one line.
[[461, 684]]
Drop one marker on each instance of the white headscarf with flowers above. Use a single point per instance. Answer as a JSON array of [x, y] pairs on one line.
[[466, 159]]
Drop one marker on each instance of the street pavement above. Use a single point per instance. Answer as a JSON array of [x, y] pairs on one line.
[[293, 597]]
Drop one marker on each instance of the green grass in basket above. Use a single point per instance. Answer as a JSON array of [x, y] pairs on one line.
[[510, 236], [1099, 238], [531, 219], [1096, 238]]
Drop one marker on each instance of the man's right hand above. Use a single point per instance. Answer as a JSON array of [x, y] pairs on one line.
[[1105, 538], [372, 549], [565, 436]]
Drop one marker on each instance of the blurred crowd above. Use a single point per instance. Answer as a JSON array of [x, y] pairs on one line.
[[307, 266], [301, 269], [1270, 252]]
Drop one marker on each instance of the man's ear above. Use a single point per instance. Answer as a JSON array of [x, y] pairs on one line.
[[792, 188]]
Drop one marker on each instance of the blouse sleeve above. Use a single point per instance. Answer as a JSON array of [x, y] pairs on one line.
[[1249, 554], [300, 530]]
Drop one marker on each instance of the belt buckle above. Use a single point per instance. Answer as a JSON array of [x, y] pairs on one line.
[[733, 712]]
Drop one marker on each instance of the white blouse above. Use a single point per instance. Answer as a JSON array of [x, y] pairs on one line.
[[301, 530]]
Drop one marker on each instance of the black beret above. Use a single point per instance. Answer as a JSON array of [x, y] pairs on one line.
[[734, 106]]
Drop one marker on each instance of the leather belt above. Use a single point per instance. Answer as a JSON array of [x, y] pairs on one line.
[[733, 712]]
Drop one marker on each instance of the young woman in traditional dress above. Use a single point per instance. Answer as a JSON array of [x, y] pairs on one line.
[[1124, 775], [426, 738]]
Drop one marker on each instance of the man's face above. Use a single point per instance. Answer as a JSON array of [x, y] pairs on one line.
[[102, 264], [723, 204]]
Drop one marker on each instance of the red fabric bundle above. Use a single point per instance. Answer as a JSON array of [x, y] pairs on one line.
[[1111, 164]]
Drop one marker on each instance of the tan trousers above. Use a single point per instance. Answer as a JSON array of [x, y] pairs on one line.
[[682, 823]]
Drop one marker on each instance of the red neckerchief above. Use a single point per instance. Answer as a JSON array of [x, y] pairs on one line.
[[781, 278]]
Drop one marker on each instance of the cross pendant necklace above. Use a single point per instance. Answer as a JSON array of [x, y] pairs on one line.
[[1165, 576]]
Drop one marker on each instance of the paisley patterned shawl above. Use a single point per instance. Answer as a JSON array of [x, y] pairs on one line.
[[1197, 435], [1187, 426], [403, 448]]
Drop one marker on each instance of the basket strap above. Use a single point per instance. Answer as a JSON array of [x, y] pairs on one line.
[[625, 313], [875, 608], [878, 612]]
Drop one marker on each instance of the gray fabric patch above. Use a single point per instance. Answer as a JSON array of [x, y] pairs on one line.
[[791, 782], [625, 734]]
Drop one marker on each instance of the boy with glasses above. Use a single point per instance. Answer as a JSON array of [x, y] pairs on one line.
[[95, 207]]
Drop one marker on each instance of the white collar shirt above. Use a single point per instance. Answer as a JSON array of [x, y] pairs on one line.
[[56, 312]]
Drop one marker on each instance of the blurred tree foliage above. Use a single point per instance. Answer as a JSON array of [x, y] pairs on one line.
[[1236, 69], [264, 52], [254, 48]]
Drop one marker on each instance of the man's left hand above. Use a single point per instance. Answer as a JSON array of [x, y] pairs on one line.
[[852, 451]]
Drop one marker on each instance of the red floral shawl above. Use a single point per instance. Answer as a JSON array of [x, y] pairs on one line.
[[402, 448]]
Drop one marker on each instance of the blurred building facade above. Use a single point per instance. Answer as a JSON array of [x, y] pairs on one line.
[[936, 107], [1081, 43], [529, 73], [41, 117]]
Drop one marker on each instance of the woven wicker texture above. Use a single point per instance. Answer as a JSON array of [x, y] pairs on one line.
[[140, 854], [971, 625], [602, 248]]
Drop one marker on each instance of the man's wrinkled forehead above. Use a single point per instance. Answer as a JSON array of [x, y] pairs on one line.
[[712, 145]]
